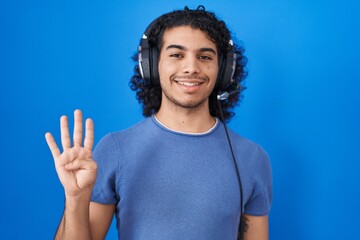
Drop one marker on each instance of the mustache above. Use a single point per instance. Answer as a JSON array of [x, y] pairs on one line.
[[191, 77]]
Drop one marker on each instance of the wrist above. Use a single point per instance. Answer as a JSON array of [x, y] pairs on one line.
[[78, 202]]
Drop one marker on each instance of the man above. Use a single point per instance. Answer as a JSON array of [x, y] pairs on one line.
[[175, 175]]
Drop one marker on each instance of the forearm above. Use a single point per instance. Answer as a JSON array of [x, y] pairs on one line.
[[75, 221]]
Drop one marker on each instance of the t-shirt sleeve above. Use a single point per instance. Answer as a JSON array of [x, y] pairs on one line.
[[106, 155], [260, 200]]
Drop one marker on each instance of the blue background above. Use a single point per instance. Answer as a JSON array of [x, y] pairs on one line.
[[302, 103]]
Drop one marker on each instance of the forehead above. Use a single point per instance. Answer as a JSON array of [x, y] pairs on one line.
[[188, 37]]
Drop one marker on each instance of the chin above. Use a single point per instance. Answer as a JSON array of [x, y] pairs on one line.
[[190, 104]]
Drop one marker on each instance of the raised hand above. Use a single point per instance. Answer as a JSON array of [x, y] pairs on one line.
[[75, 167]]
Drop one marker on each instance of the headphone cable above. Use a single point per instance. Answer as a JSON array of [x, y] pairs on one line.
[[242, 222]]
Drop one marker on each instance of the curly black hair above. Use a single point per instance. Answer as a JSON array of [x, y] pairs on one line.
[[149, 96]]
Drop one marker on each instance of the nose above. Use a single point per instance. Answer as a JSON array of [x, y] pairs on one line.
[[191, 65]]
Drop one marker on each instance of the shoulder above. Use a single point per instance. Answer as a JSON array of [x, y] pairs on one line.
[[252, 155], [136, 130], [128, 132], [247, 145], [114, 140]]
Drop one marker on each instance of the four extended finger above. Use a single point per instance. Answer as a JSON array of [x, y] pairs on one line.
[[77, 135], [64, 131], [89, 134], [52, 145]]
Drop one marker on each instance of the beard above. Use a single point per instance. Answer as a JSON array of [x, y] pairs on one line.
[[188, 104]]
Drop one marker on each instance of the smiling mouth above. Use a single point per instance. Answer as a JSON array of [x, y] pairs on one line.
[[189, 84]]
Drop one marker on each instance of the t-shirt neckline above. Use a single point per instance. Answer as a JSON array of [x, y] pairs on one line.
[[160, 124]]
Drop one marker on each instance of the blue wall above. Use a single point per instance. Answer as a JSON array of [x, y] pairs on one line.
[[302, 103]]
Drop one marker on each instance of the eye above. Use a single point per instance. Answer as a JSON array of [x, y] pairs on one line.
[[204, 57], [176, 55]]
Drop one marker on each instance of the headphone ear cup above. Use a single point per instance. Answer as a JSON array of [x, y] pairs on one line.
[[144, 60], [148, 58], [228, 70], [227, 67], [155, 79], [219, 80]]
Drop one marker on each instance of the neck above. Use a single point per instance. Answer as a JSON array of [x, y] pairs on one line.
[[188, 120]]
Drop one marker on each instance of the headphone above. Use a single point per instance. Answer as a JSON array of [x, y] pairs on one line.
[[148, 62]]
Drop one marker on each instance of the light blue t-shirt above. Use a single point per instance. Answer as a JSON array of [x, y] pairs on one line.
[[172, 185]]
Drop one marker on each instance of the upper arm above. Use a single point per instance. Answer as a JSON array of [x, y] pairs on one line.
[[100, 217], [258, 227]]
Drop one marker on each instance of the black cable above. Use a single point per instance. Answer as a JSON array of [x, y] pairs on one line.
[[242, 222]]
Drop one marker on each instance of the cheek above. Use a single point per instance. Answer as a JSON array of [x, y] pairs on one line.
[[165, 69], [214, 71], [161, 69]]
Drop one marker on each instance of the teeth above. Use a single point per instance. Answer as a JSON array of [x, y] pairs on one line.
[[189, 84]]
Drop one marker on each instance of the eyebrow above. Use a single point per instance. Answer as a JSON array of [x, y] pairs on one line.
[[176, 46], [184, 48]]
